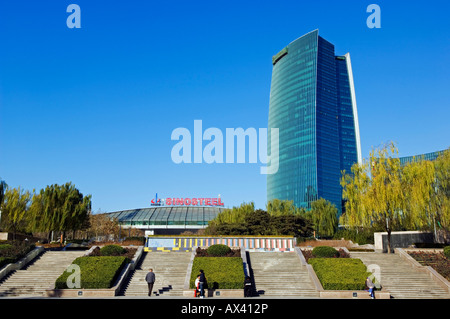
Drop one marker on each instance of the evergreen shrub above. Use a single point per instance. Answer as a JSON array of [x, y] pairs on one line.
[[340, 273], [325, 252], [112, 250], [218, 250]]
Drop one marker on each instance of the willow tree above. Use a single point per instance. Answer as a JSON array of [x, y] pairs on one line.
[[236, 214], [14, 208], [276, 207], [59, 208], [230, 216], [441, 200], [323, 215], [374, 193], [418, 180]]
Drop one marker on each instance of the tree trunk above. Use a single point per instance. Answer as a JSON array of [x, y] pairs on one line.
[[388, 229], [389, 241]]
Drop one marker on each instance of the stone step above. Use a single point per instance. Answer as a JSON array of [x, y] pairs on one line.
[[400, 278], [170, 272], [38, 276], [281, 274]]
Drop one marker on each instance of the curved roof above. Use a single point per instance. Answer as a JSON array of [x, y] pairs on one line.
[[167, 216]]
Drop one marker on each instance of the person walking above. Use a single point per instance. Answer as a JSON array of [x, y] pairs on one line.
[[150, 279], [202, 283]]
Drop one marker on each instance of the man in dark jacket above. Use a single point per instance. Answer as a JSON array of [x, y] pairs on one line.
[[202, 283], [247, 287], [150, 279]]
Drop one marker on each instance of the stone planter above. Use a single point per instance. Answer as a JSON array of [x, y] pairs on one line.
[[338, 294], [352, 294], [22, 262], [215, 293], [107, 292]]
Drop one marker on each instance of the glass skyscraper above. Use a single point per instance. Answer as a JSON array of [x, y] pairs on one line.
[[312, 103]]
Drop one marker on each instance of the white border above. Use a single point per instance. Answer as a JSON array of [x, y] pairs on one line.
[[355, 109]]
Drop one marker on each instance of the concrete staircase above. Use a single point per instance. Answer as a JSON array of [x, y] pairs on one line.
[[280, 274], [170, 271], [401, 279], [38, 276]]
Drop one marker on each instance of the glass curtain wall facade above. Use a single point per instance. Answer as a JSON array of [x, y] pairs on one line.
[[422, 157], [312, 104]]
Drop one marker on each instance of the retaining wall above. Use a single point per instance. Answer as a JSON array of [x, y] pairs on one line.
[[248, 243], [401, 239], [107, 292]]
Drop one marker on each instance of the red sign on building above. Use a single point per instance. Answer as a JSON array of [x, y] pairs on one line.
[[194, 202]]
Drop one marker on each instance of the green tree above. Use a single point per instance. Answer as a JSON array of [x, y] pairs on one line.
[[60, 208], [374, 193], [441, 199], [418, 179], [281, 207], [258, 223], [236, 214], [295, 225], [228, 217], [284, 219], [324, 217], [14, 208]]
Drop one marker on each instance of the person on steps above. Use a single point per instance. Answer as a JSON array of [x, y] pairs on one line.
[[202, 283], [150, 279], [370, 287], [247, 287]]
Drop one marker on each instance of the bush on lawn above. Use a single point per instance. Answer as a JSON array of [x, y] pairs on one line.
[[201, 252], [220, 272], [96, 272], [340, 273], [112, 250], [325, 252], [218, 250]]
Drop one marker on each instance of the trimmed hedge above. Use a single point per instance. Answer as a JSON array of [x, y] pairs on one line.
[[218, 250], [12, 251], [340, 273], [96, 272], [325, 252], [112, 250], [4, 247], [220, 272]]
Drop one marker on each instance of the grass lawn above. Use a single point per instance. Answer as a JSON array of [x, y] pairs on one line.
[[96, 272], [220, 272], [340, 273]]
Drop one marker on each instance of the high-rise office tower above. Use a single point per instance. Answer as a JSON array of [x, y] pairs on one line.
[[312, 103]]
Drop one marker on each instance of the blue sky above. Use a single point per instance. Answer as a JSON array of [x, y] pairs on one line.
[[96, 106]]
